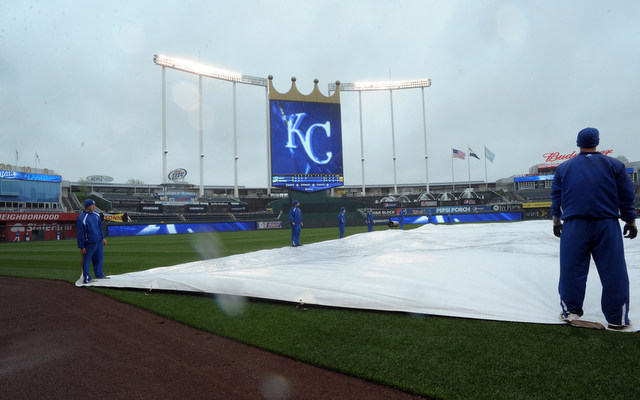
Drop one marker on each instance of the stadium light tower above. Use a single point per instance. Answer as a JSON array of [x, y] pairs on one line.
[[390, 86], [208, 72]]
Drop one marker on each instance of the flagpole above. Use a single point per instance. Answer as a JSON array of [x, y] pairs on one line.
[[469, 164], [453, 179], [486, 180]]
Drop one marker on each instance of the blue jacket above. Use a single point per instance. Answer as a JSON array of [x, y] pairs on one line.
[[401, 215], [592, 185], [369, 218], [341, 218], [89, 229], [295, 215]]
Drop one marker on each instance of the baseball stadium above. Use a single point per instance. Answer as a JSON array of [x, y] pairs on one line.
[[451, 294], [319, 283]]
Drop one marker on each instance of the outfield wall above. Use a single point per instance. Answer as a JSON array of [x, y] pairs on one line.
[[182, 228], [459, 218], [173, 229]]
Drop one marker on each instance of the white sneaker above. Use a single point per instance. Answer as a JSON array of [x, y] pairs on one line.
[[569, 317]]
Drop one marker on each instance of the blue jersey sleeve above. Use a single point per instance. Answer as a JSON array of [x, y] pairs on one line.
[[81, 234]]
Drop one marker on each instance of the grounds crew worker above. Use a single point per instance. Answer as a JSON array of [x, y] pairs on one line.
[[342, 220], [295, 219], [589, 193], [90, 241]]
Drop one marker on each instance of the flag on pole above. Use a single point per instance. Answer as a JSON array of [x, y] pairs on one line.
[[472, 154], [458, 154], [37, 159], [488, 154]]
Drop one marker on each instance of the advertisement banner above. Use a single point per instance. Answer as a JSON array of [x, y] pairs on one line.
[[540, 204], [173, 229], [459, 218], [539, 213], [44, 217], [152, 208], [383, 213], [507, 207], [29, 231], [269, 224], [30, 177]]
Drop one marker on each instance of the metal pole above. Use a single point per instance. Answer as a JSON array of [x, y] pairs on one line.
[[266, 95], [426, 154], [235, 145], [453, 179], [469, 164], [361, 140], [164, 126], [201, 140], [486, 182], [393, 145]]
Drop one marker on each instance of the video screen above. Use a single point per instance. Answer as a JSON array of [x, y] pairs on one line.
[[173, 229], [306, 145]]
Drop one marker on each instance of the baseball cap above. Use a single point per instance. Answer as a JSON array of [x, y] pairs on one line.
[[588, 138], [89, 202]]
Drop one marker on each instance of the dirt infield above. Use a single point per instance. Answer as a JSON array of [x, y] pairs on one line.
[[62, 342]]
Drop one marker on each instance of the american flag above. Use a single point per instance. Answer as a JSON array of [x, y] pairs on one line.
[[458, 154]]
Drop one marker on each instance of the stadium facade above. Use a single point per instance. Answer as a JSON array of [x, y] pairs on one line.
[[37, 204]]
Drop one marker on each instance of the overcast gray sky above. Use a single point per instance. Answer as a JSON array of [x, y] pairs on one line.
[[78, 85]]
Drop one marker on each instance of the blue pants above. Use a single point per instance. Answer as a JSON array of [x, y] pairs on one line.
[[94, 256], [602, 239], [370, 227], [295, 235], [341, 229]]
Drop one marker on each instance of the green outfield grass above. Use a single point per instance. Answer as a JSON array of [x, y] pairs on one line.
[[439, 357]]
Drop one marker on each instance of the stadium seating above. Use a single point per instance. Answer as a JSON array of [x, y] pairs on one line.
[[537, 195]]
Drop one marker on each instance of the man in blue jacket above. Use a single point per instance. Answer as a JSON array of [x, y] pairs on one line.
[[342, 220], [91, 241], [401, 215], [369, 220], [590, 192], [295, 219]]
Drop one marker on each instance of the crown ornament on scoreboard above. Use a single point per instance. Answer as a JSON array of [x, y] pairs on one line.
[[294, 94]]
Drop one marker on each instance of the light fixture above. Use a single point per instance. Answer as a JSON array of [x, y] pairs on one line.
[[381, 85], [206, 70]]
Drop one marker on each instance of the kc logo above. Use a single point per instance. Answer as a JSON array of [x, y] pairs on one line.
[[306, 138]]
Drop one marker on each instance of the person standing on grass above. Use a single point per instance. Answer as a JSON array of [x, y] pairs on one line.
[[369, 220], [401, 217], [590, 192], [342, 221], [91, 241], [295, 219]]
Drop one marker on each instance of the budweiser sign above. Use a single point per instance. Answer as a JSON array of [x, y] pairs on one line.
[[557, 157]]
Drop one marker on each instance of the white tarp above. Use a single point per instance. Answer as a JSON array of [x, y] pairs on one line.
[[495, 271]]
